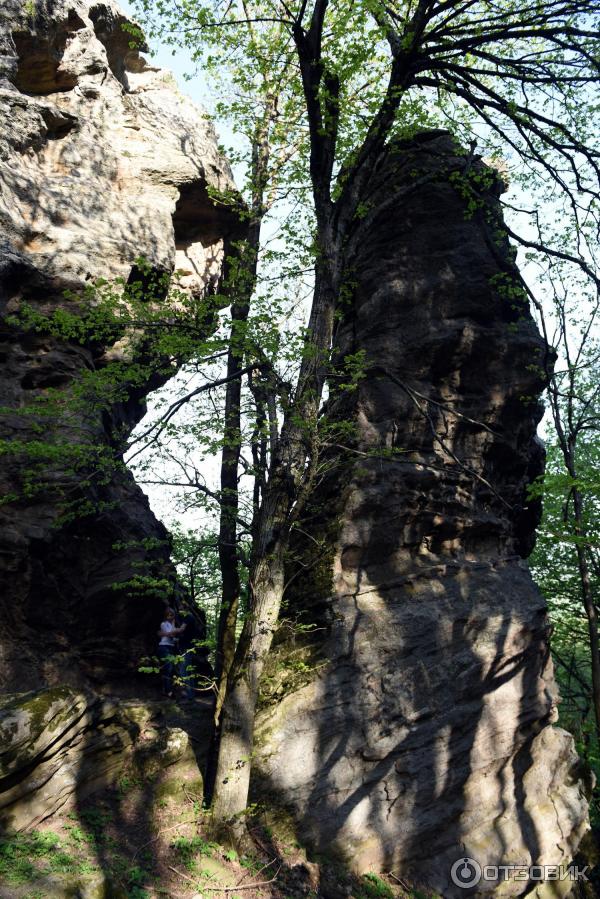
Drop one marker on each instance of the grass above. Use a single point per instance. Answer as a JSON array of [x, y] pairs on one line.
[[250, 863], [373, 887], [96, 819], [126, 784], [188, 849], [18, 852], [88, 842], [136, 878], [27, 857], [77, 834]]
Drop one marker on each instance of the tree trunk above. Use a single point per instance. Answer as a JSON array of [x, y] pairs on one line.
[[243, 273], [281, 503], [229, 505], [229, 496], [232, 778], [568, 444], [589, 606]]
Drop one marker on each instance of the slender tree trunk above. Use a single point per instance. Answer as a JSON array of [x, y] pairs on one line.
[[289, 469], [589, 606], [228, 542], [242, 289], [258, 448], [567, 438], [229, 496], [242, 282], [294, 458], [232, 778]]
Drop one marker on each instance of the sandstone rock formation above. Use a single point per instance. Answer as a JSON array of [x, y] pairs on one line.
[[58, 746], [102, 162], [413, 727]]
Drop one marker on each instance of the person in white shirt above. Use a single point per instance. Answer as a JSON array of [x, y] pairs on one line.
[[166, 650]]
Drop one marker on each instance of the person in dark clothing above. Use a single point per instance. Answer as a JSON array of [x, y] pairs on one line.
[[194, 662]]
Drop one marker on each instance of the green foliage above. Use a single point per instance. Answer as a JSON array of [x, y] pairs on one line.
[[555, 568], [15, 866], [352, 371], [485, 86], [189, 849], [195, 554], [473, 184], [459, 70], [76, 833], [250, 863], [28, 857], [150, 326], [25, 856], [126, 783], [136, 876], [373, 887], [95, 819]]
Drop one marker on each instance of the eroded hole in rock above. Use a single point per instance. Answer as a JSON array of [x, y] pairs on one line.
[[195, 217], [110, 31], [198, 226], [39, 58], [59, 124]]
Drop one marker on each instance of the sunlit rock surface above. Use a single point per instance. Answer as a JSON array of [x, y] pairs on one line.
[[413, 727], [57, 747], [102, 162]]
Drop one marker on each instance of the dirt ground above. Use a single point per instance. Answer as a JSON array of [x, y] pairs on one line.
[[152, 840]]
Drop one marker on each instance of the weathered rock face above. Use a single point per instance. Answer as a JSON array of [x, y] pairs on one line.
[[102, 162], [414, 728], [58, 746]]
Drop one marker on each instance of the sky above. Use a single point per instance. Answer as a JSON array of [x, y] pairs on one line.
[[164, 57], [163, 499]]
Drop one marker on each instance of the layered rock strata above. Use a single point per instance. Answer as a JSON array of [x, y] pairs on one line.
[[413, 728], [58, 746], [102, 163]]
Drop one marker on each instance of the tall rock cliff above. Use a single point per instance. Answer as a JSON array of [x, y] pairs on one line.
[[102, 162], [408, 723]]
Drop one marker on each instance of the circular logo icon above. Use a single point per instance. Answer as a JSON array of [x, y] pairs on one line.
[[465, 873]]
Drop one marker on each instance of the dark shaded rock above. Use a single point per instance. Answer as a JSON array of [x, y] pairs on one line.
[[414, 726]]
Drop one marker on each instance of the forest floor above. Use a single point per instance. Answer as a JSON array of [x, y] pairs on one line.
[[127, 843], [93, 856]]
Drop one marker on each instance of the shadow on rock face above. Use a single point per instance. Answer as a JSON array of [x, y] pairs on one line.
[[421, 730]]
